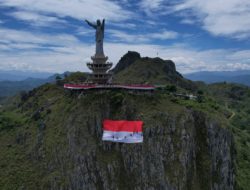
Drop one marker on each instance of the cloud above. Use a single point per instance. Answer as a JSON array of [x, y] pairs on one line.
[[150, 5], [28, 40], [163, 35], [141, 38], [118, 35], [221, 18], [23, 50], [77, 9], [33, 50], [243, 55], [48, 62], [37, 19], [229, 18], [83, 31], [187, 21], [124, 25]]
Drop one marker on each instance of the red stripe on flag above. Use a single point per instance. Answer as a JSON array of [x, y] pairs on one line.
[[122, 125]]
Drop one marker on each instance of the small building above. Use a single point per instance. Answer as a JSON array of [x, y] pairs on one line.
[[186, 96]]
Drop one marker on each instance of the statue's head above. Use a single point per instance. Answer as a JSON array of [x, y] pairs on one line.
[[98, 22]]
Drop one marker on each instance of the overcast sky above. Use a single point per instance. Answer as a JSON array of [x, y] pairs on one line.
[[198, 35]]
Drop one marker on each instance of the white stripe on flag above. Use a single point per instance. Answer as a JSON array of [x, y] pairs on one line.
[[125, 137]]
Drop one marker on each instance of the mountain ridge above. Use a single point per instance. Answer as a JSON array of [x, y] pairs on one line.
[[50, 138], [241, 77], [11, 88], [154, 71], [66, 136], [14, 75]]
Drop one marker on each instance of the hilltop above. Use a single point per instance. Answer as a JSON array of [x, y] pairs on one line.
[[50, 138], [11, 87], [132, 68]]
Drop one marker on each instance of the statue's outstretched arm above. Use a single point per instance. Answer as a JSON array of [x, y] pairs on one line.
[[103, 24], [91, 24]]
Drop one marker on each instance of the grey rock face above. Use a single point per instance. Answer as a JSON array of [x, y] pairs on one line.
[[180, 151], [128, 59]]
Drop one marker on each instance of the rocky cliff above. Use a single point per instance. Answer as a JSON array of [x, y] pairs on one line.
[[51, 139], [126, 60], [132, 68], [61, 143]]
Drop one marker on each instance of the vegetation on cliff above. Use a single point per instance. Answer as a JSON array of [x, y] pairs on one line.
[[50, 138], [236, 99]]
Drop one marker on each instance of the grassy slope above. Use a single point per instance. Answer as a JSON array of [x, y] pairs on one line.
[[10, 88], [26, 148], [21, 126], [21, 141], [236, 99], [151, 70]]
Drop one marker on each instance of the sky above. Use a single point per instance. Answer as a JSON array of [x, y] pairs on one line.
[[52, 36]]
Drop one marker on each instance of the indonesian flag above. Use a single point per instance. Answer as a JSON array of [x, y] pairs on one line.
[[122, 131]]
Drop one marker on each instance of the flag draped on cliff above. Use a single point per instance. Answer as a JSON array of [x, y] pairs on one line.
[[122, 131]]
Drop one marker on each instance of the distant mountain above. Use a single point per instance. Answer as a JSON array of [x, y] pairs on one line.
[[10, 88], [14, 75], [52, 139], [241, 77]]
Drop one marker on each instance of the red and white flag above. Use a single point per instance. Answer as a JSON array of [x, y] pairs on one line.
[[122, 131]]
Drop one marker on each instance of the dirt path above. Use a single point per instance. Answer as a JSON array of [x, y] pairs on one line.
[[233, 114]]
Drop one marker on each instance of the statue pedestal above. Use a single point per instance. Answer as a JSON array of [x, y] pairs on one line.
[[99, 68], [99, 59]]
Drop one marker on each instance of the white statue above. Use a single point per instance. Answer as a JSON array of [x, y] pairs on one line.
[[99, 27]]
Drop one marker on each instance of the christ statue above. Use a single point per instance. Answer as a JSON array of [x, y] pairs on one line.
[[99, 27]]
